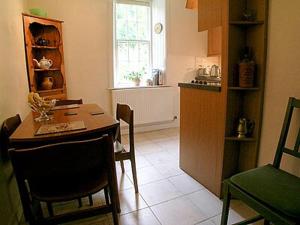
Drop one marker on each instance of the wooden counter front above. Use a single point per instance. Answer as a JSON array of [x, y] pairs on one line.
[[202, 122]]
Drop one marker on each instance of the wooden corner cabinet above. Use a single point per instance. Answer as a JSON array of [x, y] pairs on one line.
[[45, 56], [245, 102], [212, 144]]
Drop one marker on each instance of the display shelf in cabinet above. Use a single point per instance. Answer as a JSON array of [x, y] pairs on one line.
[[243, 89], [51, 90], [42, 70], [44, 47], [246, 23], [246, 139]]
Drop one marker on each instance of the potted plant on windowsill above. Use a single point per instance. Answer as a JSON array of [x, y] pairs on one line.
[[135, 77]]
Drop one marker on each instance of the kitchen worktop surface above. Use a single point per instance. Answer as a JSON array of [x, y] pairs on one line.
[[201, 86]]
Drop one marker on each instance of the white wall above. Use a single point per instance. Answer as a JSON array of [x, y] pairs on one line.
[[283, 76], [13, 76]]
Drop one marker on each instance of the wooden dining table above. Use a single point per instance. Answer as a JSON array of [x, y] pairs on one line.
[[96, 123]]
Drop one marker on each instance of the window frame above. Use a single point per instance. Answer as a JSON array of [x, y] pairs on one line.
[[148, 3]]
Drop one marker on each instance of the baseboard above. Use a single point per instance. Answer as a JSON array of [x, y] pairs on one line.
[[151, 127]]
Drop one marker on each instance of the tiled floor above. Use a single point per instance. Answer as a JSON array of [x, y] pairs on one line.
[[167, 195]]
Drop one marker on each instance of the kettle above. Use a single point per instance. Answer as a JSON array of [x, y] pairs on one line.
[[44, 63], [245, 127], [214, 71]]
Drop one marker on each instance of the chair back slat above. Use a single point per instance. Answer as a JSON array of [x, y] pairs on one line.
[[291, 152], [292, 103], [8, 127], [125, 113], [70, 161], [296, 147], [69, 102]]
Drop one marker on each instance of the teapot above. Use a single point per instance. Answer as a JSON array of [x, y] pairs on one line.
[[245, 127], [47, 83], [44, 63]]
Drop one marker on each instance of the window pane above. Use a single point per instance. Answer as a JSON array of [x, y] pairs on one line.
[[132, 42], [122, 51]]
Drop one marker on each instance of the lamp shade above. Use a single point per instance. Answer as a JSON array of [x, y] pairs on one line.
[[191, 4]]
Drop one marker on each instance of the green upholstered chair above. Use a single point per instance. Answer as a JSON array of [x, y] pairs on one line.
[[270, 191]]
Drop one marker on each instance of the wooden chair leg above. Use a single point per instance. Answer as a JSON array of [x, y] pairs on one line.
[[226, 204], [113, 199], [79, 202], [122, 166], [50, 209], [134, 175], [91, 200], [106, 196]]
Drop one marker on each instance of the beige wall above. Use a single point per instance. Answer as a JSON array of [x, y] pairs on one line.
[[13, 76], [283, 75]]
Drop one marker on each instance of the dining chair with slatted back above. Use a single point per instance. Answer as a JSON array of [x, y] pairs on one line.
[[269, 190], [125, 113], [68, 102], [62, 172], [8, 127]]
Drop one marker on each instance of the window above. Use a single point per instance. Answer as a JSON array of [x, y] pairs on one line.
[[132, 47]]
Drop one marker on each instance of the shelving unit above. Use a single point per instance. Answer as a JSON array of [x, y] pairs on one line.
[[50, 30], [245, 102]]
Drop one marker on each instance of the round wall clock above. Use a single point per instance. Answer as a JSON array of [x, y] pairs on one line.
[[158, 28]]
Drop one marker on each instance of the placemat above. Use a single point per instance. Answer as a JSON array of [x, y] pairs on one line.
[[60, 127]]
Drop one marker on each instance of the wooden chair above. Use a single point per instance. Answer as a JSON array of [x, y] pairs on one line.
[[126, 114], [63, 172], [8, 127], [272, 192], [68, 102]]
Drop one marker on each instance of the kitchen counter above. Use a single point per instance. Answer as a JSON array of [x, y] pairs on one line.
[[201, 86]]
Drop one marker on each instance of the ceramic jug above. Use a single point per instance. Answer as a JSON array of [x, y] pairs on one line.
[[47, 83]]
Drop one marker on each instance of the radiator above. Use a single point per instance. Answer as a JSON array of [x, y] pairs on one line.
[[150, 105]]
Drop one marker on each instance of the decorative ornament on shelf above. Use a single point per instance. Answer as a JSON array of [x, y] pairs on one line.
[[191, 4], [43, 63], [41, 106]]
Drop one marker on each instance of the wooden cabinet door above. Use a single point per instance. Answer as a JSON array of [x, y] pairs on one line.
[[209, 14], [214, 41]]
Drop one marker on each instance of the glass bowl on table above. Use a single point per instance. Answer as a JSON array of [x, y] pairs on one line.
[[41, 106]]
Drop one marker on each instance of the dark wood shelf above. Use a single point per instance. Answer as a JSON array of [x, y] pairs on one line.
[[246, 23], [243, 89], [42, 70], [246, 139], [49, 91], [44, 47]]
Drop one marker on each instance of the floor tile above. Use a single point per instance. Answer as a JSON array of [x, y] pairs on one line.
[[158, 192], [140, 217], [185, 183], [180, 211], [169, 169], [130, 201], [208, 203], [123, 181], [146, 175], [147, 148], [140, 162], [159, 158]]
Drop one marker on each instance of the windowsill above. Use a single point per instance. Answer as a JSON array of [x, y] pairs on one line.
[[139, 87]]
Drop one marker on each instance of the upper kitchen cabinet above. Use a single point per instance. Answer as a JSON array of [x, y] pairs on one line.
[[209, 14], [44, 56], [214, 41]]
